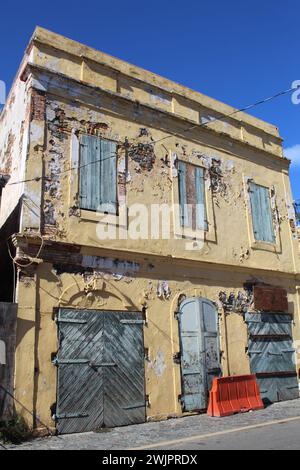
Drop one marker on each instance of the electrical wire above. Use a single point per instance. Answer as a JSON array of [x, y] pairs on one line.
[[38, 178], [236, 111], [31, 262], [153, 142]]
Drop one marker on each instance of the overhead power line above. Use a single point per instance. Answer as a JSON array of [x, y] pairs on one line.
[[221, 117]]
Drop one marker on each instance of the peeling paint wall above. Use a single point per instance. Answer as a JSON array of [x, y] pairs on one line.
[[147, 174], [74, 91]]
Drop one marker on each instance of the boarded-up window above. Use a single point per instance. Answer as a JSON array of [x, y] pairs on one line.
[[98, 174], [261, 213], [192, 202]]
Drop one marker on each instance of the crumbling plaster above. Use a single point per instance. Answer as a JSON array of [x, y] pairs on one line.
[[148, 175]]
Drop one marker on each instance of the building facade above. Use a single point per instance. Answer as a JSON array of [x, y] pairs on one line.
[[148, 237]]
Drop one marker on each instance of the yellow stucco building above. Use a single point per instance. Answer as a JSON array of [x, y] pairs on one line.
[[153, 237]]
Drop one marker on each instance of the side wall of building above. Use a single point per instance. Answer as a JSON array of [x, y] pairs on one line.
[[14, 125]]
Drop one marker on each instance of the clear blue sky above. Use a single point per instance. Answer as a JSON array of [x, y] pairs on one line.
[[237, 52]]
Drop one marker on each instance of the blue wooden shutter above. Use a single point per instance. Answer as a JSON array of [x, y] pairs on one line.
[[108, 173], [98, 174], [269, 235], [201, 214], [261, 213], [198, 197], [184, 219]]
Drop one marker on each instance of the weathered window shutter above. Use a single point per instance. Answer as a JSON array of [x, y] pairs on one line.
[[182, 195], [98, 175], [201, 213], [261, 213], [192, 196]]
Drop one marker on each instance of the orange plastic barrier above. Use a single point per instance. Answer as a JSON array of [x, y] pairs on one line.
[[230, 395]]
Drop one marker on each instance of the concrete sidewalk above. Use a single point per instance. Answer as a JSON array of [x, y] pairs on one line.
[[174, 433]]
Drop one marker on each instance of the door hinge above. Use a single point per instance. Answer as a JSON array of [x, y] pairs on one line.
[[102, 364], [71, 415], [58, 362], [132, 407], [129, 322], [70, 320]]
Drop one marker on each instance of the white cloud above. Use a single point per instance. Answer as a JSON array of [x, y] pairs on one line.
[[293, 153]]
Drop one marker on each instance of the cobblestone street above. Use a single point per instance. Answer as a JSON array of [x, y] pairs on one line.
[[282, 420]]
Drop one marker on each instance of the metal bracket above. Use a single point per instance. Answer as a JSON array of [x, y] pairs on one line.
[[146, 354], [177, 315], [181, 399], [147, 401], [177, 358]]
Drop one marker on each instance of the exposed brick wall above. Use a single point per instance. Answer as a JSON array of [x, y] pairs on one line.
[[270, 299], [38, 105]]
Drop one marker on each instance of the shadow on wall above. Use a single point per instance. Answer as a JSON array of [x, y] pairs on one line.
[[7, 272], [8, 321], [23, 326]]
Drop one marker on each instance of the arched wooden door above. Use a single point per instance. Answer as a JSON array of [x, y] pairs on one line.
[[200, 351]]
